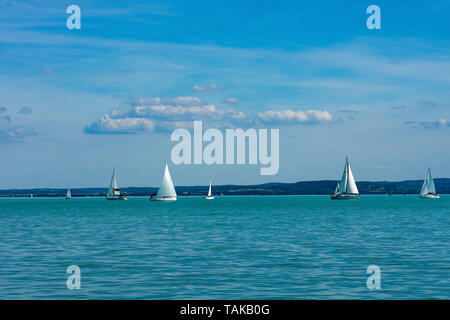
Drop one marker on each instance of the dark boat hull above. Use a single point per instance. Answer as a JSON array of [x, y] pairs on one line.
[[345, 196]]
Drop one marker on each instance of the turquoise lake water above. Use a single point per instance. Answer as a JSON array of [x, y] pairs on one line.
[[277, 247]]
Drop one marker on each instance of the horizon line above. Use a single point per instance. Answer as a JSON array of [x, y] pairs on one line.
[[219, 185]]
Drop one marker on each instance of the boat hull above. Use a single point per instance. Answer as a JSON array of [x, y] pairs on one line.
[[345, 196], [166, 199], [117, 198], [209, 197], [429, 196]]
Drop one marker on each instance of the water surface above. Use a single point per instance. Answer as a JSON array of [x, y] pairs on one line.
[[274, 247]]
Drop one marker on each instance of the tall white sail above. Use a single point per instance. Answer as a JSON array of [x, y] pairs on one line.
[[68, 194], [209, 191], [431, 187], [167, 189], [351, 184], [113, 188], [343, 182], [116, 188], [424, 189]]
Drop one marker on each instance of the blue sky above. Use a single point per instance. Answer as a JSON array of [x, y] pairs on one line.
[[67, 96]]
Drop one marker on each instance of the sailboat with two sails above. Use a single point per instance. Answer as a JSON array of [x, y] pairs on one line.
[[428, 190], [114, 191], [346, 188], [167, 191]]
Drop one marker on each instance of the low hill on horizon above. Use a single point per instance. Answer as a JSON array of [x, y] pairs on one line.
[[320, 187]]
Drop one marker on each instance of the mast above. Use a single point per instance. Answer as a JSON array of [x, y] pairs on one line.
[[346, 176], [431, 187]]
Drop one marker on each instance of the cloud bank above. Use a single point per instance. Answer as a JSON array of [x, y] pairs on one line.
[[209, 87], [166, 114], [438, 124], [294, 117]]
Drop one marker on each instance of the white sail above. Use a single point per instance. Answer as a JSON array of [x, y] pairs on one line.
[[167, 189], [113, 188], [68, 194], [116, 188], [351, 184], [209, 191], [337, 188], [343, 182], [424, 189], [431, 187]]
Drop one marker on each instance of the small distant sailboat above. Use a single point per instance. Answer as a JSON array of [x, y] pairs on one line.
[[428, 190], [167, 191], [209, 196], [31, 196], [68, 194], [114, 191], [346, 188]]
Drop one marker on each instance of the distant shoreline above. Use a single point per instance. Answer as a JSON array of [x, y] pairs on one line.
[[217, 196], [321, 187]]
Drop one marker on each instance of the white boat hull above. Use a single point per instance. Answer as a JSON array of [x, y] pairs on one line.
[[344, 196], [117, 198], [163, 199], [209, 197], [429, 196]]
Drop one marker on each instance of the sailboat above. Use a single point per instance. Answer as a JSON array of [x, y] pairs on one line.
[[428, 190], [68, 194], [346, 188], [114, 191], [167, 191], [209, 196]]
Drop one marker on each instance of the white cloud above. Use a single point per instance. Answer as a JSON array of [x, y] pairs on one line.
[[172, 101], [441, 123], [294, 117], [231, 100], [163, 117], [106, 124], [210, 87], [169, 112]]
